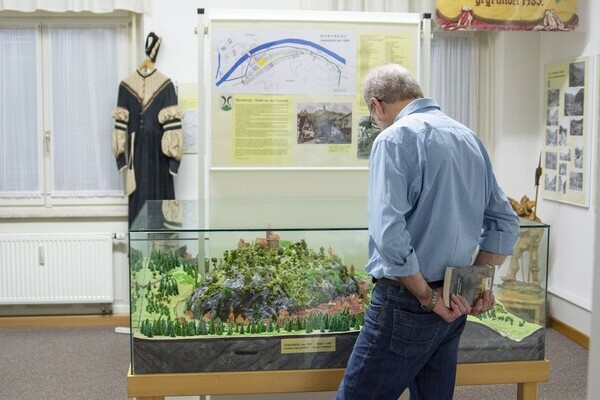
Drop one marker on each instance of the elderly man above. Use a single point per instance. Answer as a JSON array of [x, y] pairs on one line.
[[433, 201]]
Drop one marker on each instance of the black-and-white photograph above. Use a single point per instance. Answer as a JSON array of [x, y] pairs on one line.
[[553, 97], [562, 169], [577, 127], [576, 181], [367, 132], [577, 74], [550, 182], [574, 101], [324, 123], [565, 154], [551, 136], [551, 160], [562, 184], [562, 132], [579, 155], [552, 116]]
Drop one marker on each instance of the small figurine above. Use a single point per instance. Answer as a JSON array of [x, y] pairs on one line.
[[529, 241]]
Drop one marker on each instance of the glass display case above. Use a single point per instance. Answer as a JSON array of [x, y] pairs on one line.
[[255, 285], [515, 329]]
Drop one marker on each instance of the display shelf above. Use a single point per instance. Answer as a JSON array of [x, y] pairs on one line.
[[525, 374]]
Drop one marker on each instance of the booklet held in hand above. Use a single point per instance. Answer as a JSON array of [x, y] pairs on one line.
[[470, 282]]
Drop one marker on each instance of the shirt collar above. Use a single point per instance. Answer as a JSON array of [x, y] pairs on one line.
[[417, 105]]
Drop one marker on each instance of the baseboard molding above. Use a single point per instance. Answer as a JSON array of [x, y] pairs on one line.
[[578, 337], [65, 321]]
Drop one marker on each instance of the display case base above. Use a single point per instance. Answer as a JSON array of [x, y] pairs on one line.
[[289, 352], [526, 374], [156, 356]]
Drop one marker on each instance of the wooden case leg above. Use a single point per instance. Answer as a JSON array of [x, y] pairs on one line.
[[527, 391]]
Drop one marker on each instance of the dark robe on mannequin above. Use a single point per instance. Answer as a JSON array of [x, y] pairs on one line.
[[147, 105]]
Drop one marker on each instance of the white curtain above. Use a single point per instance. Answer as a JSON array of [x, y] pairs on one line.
[[20, 152], [96, 6], [85, 79], [454, 77]]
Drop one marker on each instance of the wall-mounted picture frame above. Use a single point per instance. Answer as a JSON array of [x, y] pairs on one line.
[[568, 144]]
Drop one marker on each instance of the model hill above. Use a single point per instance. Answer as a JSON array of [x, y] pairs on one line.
[[269, 277]]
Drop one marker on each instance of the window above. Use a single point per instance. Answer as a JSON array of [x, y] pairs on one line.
[[58, 86]]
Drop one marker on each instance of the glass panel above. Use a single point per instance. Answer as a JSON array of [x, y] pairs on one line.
[[19, 136], [84, 89], [515, 329], [242, 285], [257, 215]]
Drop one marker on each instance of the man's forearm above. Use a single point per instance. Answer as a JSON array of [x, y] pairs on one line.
[[485, 257]]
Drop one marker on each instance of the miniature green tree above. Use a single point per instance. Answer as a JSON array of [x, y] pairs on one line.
[[308, 327]]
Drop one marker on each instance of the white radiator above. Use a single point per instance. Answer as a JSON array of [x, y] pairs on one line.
[[56, 269]]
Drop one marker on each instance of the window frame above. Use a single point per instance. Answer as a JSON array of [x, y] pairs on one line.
[[47, 204]]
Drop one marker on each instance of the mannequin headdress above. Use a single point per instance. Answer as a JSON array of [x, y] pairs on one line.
[[152, 45]]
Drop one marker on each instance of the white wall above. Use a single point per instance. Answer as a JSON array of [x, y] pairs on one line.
[[518, 126], [571, 267], [593, 48]]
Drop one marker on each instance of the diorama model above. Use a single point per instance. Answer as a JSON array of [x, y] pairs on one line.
[[270, 303], [263, 290]]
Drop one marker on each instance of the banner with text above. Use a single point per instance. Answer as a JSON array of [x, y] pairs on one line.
[[522, 15]]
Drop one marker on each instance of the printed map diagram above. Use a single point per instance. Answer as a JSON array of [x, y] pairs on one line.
[[284, 62]]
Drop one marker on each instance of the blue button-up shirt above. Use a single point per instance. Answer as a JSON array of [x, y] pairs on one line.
[[433, 197]]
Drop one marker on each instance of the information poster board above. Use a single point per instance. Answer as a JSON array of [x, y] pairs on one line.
[[567, 152], [285, 87]]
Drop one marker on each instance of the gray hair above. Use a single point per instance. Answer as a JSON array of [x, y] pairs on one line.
[[390, 83]]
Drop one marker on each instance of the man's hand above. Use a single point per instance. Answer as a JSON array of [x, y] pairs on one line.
[[483, 305], [458, 307]]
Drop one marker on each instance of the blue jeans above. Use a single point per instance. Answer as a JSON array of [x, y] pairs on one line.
[[402, 346]]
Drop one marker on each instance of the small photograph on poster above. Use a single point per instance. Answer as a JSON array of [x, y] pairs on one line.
[[367, 132], [577, 127], [576, 181], [577, 74], [562, 169], [562, 132], [550, 182], [553, 97], [552, 117], [565, 154], [574, 98], [551, 160], [324, 123], [551, 135], [579, 155], [562, 184]]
